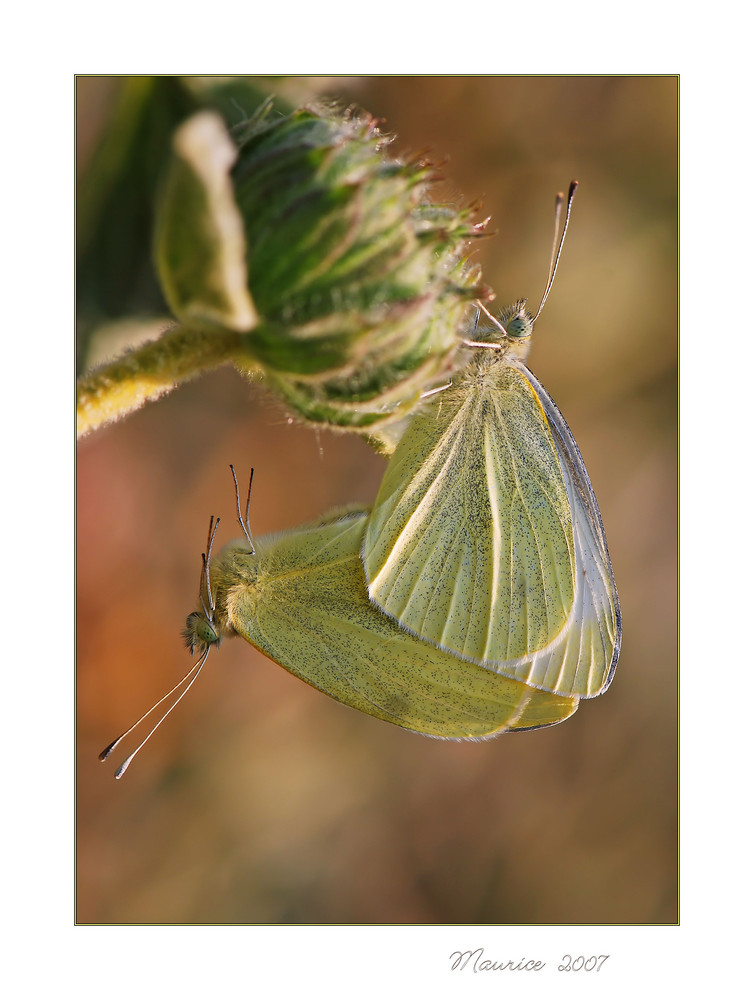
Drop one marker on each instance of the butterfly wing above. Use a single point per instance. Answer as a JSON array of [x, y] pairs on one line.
[[472, 543], [309, 611], [585, 658]]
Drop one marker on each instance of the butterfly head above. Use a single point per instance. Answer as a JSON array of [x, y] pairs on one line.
[[200, 632], [518, 324], [518, 321]]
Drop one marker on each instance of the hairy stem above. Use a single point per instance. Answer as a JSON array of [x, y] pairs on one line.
[[149, 371]]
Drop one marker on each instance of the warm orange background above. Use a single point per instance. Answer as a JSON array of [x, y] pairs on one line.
[[261, 800]]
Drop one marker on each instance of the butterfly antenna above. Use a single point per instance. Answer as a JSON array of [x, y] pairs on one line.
[[195, 669], [205, 584], [557, 245], [244, 522], [205, 562], [559, 199]]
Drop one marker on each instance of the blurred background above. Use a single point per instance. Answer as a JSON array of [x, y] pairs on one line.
[[261, 800]]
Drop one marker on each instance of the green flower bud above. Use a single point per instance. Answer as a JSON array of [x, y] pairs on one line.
[[355, 283], [384, 376]]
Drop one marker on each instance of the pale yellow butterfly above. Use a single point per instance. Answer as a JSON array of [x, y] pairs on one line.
[[485, 538], [300, 597]]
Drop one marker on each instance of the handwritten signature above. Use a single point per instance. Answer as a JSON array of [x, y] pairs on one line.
[[461, 959]]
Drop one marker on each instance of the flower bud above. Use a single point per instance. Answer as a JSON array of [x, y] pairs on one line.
[[354, 282]]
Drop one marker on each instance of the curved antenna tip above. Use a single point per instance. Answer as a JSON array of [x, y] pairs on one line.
[[104, 754], [557, 245]]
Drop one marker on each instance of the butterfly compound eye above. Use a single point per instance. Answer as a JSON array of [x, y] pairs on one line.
[[198, 631], [517, 321]]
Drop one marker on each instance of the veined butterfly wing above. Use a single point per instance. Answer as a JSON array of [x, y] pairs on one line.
[[486, 539], [302, 601]]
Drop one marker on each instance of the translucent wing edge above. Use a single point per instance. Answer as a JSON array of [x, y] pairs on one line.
[[588, 525]]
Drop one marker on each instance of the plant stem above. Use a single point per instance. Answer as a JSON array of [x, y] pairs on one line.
[[149, 371]]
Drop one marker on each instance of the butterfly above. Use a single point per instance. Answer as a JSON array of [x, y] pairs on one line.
[[300, 597], [485, 538]]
